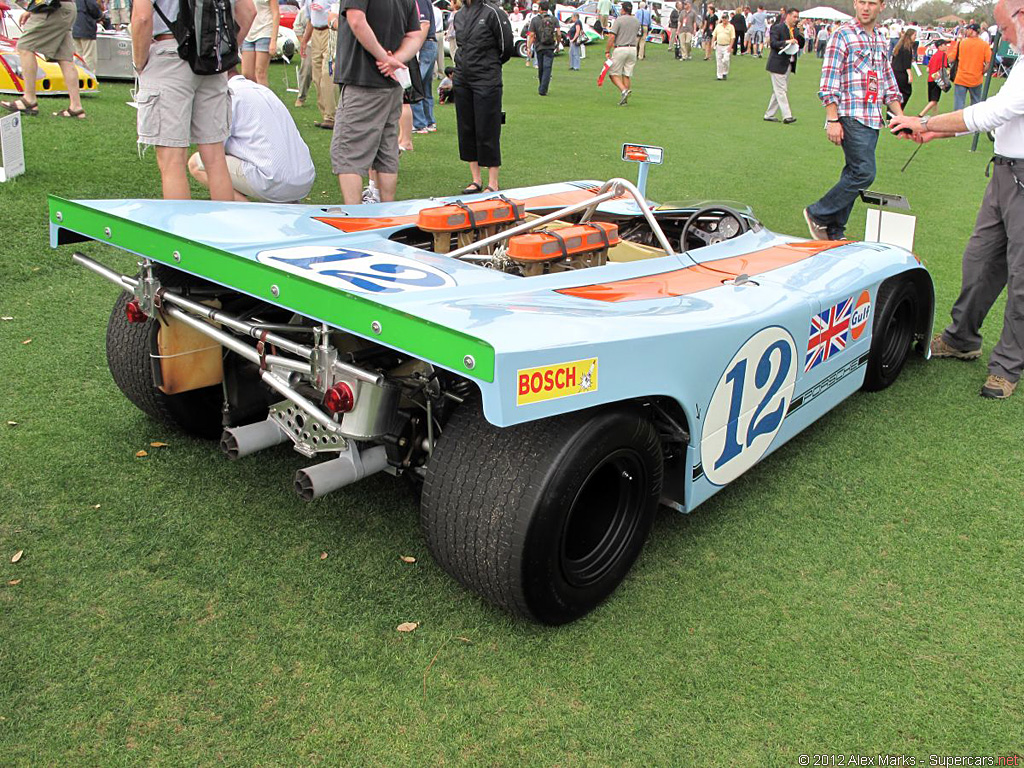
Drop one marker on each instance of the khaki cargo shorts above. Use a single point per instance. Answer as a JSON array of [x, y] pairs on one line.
[[366, 130], [623, 61], [50, 33], [178, 107]]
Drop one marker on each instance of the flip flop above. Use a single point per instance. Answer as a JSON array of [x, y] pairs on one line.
[[22, 106], [76, 114], [489, 188], [472, 189]]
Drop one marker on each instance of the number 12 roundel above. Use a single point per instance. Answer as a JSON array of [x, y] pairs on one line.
[[749, 405]]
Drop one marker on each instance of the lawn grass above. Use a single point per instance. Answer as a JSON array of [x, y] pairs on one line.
[[857, 592]]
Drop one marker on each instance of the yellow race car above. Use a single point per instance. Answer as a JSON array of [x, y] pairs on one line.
[[49, 78]]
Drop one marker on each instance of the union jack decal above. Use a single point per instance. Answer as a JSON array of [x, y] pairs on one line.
[[829, 330]]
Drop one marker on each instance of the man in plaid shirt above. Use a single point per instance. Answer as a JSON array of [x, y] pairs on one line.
[[856, 80]]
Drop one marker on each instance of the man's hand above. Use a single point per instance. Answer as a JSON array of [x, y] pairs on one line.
[[834, 131], [899, 123], [302, 49], [389, 65], [23, 19]]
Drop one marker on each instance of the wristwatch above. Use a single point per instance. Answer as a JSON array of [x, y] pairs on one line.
[[924, 123]]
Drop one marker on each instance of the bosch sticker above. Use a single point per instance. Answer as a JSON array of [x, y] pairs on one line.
[[368, 272], [550, 382], [861, 313]]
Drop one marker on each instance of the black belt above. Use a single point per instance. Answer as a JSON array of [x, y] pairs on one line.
[[626, 46], [319, 28], [1010, 161]]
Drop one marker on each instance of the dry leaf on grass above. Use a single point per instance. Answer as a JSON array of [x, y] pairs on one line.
[[12, 423], [17, 555], [140, 454], [407, 559], [323, 555], [6, 317], [408, 626], [13, 582], [157, 444], [27, 341], [95, 506]]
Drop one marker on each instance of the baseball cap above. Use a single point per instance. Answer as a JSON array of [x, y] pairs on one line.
[[975, 27]]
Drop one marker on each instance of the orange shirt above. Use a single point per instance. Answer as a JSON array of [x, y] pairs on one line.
[[974, 54]]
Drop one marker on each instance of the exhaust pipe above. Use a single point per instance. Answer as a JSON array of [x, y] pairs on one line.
[[237, 442], [313, 482]]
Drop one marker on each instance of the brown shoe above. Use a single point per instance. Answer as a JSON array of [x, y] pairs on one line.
[[941, 349], [998, 388]]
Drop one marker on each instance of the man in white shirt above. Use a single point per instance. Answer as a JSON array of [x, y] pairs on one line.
[[994, 256], [267, 158]]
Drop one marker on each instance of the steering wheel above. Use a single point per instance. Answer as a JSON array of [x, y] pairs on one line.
[[729, 224]]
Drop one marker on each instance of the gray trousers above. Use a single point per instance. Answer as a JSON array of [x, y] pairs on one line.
[[780, 96], [994, 258]]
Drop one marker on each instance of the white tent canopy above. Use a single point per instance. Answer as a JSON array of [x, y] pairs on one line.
[[826, 13]]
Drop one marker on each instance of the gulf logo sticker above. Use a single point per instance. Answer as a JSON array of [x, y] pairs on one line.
[[861, 313], [549, 382]]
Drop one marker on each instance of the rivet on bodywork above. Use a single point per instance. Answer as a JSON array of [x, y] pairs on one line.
[[275, 291], [59, 216], [176, 256], [375, 326], [469, 362], [106, 231]]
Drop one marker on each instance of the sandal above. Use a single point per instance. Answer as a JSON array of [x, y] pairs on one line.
[[77, 114], [22, 106], [473, 188], [489, 188]]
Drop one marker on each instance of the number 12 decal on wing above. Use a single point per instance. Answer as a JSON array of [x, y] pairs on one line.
[[749, 405]]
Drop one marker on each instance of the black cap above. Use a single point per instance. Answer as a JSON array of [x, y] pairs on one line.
[[975, 27]]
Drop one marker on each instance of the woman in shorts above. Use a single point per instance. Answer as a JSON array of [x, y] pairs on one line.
[[261, 42]]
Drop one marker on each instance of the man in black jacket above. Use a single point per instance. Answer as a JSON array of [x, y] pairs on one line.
[[784, 37], [484, 35], [83, 31]]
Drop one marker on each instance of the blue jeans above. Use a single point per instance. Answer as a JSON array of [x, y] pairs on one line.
[[960, 96], [834, 208], [545, 60], [423, 110], [574, 56]]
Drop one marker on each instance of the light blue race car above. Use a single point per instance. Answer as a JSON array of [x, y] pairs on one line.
[[548, 365]]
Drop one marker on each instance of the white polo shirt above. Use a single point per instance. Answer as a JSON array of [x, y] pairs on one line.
[[1003, 114]]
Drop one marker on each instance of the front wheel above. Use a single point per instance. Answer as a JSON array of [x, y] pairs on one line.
[[521, 50], [542, 519], [892, 333]]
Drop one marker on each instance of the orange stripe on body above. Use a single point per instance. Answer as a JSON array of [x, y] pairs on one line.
[[680, 282]]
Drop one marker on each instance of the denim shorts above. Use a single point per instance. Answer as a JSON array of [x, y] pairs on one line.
[[262, 45]]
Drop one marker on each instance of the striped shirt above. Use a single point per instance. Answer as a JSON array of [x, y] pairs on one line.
[[276, 161], [852, 52]]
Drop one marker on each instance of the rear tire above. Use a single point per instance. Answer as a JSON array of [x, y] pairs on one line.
[[129, 350], [542, 519], [892, 333]]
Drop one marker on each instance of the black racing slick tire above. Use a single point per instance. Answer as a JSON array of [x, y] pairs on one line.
[[129, 350], [542, 519], [892, 333]]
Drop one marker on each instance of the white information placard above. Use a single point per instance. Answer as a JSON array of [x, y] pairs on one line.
[[893, 228], [12, 151]]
